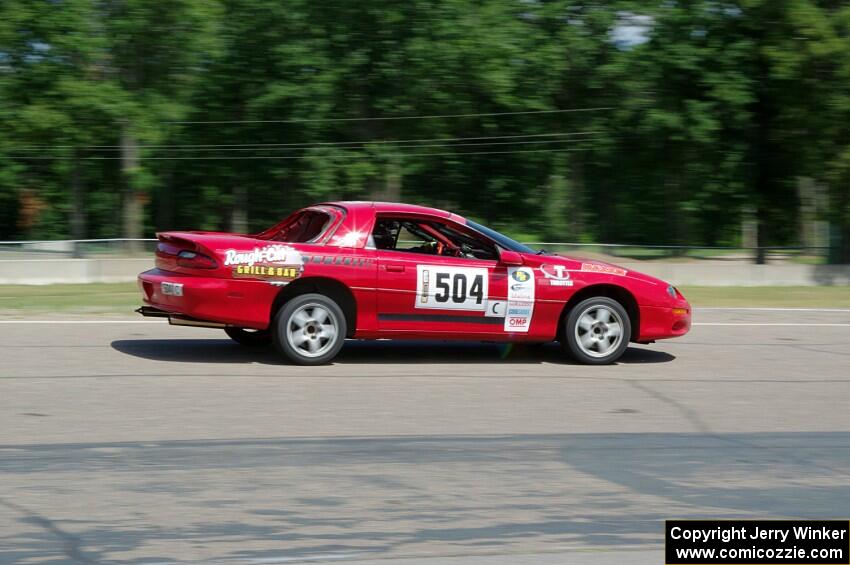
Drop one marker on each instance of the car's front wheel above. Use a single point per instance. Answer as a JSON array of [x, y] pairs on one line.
[[249, 337], [597, 331], [310, 329]]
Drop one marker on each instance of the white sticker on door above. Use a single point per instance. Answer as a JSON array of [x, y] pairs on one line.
[[520, 299], [451, 288], [496, 308]]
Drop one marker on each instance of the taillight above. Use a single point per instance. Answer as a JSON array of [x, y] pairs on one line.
[[166, 250], [194, 260]]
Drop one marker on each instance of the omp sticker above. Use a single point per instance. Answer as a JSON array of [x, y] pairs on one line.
[[496, 308], [279, 262], [605, 269], [556, 275], [451, 288], [520, 308]]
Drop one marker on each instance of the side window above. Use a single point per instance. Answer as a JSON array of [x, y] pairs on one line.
[[431, 238], [414, 240], [470, 245], [385, 234], [403, 235]]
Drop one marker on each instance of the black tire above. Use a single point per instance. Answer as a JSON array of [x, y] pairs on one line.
[[248, 337], [597, 344], [307, 308]]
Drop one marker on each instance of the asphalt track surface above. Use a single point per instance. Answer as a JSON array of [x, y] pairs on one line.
[[143, 443]]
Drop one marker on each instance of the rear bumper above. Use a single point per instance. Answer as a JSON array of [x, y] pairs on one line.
[[243, 303], [658, 322]]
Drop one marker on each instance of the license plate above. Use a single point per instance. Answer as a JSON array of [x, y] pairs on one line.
[[172, 289]]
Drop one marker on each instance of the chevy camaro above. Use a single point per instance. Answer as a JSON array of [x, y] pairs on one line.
[[373, 270]]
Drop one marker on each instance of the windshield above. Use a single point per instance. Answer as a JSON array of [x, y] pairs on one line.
[[503, 240]]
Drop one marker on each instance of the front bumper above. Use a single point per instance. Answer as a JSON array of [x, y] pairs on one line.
[[242, 303], [664, 322]]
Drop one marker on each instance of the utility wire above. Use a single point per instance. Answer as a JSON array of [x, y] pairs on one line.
[[225, 146], [455, 145], [363, 147], [386, 118], [338, 156]]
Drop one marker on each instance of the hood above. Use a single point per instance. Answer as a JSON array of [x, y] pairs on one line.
[[590, 266]]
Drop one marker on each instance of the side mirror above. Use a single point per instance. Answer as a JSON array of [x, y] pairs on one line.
[[511, 258]]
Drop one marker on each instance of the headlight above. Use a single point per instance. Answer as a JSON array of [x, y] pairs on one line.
[[671, 290]]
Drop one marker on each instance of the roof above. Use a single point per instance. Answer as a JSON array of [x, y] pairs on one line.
[[392, 207]]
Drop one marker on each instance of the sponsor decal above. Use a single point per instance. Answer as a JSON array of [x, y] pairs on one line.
[[520, 276], [521, 290], [556, 275], [555, 272], [274, 254], [451, 288], [279, 262], [517, 324], [266, 271], [520, 307], [605, 269]]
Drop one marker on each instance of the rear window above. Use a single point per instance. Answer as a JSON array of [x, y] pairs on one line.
[[303, 227]]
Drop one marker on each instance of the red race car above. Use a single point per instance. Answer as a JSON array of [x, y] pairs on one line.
[[373, 270]]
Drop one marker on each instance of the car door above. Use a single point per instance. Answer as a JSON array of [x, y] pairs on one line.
[[431, 294]]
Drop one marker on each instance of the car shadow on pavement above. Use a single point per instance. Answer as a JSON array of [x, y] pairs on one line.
[[368, 352]]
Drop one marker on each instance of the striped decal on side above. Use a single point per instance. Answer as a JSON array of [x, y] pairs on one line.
[[338, 260], [449, 318]]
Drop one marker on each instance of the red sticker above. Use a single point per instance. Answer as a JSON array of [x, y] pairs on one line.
[[606, 269]]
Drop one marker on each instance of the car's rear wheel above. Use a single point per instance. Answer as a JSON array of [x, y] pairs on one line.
[[597, 331], [249, 337], [310, 329]]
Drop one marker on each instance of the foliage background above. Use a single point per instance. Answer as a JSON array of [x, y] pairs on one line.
[[121, 117]]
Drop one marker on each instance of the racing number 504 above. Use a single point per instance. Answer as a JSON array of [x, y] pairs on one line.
[[457, 290]]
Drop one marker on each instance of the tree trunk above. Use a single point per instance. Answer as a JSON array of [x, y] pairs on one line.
[[577, 204], [78, 203], [674, 184], [393, 188], [133, 198], [239, 210], [761, 237], [749, 229], [556, 212]]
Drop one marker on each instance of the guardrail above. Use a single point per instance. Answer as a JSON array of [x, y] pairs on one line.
[[123, 247], [75, 248], [120, 260], [632, 252]]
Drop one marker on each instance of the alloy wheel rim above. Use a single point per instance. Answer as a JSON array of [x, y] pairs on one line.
[[599, 331], [312, 330]]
